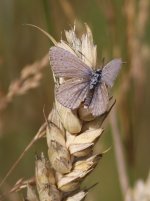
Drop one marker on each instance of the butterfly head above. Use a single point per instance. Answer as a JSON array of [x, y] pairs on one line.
[[98, 71]]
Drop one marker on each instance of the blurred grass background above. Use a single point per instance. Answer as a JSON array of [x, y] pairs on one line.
[[120, 28]]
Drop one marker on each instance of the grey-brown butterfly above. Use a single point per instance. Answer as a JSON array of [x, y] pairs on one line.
[[82, 84]]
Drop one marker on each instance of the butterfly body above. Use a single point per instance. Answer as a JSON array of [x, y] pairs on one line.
[[95, 78], [82, 83], [88, 98]]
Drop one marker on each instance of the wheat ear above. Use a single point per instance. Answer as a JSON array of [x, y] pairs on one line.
[[71, 137]]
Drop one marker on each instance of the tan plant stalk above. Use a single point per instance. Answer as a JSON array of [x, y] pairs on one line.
[[135, 31], [118, 145], [119, 153]]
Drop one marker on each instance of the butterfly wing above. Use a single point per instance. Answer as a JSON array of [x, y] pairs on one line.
[[72, 92], [100, 100], [67, 65], [110, 71]]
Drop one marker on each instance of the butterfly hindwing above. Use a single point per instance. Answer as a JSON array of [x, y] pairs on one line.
[[100, 100], [110, 71], [72, 92]]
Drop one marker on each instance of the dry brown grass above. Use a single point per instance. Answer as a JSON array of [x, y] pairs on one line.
[[30, 77]]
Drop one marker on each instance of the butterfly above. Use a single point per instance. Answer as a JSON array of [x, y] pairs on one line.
[[82, 83]]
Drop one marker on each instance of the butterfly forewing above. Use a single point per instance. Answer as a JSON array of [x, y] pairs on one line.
[[72, 92], [67, 65], [110, 71], [100, 100]]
